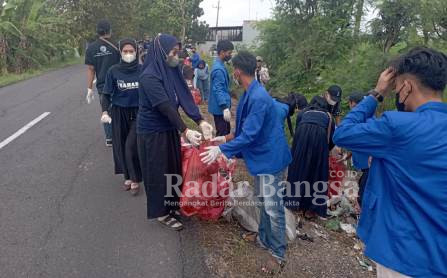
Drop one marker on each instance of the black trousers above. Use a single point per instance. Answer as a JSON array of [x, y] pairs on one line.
[[362, 185], [222, 127]]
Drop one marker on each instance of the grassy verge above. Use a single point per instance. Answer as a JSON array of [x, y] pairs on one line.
[[9, 79]]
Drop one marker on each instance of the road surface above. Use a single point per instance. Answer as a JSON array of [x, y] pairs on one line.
[[62, 211]]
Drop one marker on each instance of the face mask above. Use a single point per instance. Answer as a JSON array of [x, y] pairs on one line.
[[331, 101], [129, 58], [399, 106], [227, 58], [173, 61]]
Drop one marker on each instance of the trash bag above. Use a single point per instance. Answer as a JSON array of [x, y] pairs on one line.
[[196, 95], [337, 172], [242, 208], [205, 187]]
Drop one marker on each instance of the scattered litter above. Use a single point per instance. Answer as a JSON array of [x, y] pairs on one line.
[[322, 235], [358, 246], [333, 225], [348, 228], [364, 264], [341, 206], [304, 236]]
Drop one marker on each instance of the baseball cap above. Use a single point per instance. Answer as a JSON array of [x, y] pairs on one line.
[[335, 92]]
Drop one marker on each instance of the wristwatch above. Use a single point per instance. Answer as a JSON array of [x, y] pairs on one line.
[[377, 95]]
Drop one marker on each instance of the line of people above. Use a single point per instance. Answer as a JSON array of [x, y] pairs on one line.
[[146, 130]]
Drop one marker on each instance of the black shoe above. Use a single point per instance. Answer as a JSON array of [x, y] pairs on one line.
[[108, 142]]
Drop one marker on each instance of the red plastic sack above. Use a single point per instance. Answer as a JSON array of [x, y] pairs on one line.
[[337, 172], [205, 187], [196, 95]]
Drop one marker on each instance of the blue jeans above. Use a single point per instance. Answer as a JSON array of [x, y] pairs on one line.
[[204, 87], [107, 127], [272, 228]]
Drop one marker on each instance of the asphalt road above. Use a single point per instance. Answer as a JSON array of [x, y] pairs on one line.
[[62, 211]]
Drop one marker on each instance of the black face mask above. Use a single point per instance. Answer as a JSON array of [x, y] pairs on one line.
[[399, 106], [227, 58]]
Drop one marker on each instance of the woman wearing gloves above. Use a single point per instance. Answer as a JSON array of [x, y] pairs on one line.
[[162, 91], [121, 93]]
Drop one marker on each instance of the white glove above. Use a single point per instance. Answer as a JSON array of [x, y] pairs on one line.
[[193, 136], [227, 115], [219, 139], [207, 130], [90, 96], [211, 154], [105, 118]]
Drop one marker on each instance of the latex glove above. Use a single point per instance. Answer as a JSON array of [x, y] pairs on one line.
[[105, 118], [211, 154], [90, 96], [207, 130], [193, 136], [219, 139], [227, 115]]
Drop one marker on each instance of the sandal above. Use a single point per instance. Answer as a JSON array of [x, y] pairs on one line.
[[273, 266], [249, 236], [171, 223], [135, 189], [127, 184]]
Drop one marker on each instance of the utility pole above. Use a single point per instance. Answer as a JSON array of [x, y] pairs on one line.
[[183, 21], [217, 19]]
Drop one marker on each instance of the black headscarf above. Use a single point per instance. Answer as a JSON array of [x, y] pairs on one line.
[[128, 67], [172, 79], [318, 103]]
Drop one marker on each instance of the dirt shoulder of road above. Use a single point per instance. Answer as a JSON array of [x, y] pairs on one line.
[[327, 253]]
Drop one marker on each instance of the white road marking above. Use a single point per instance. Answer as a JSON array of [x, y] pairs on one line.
[[23, 130]]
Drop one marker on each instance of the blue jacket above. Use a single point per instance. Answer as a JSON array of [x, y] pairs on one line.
[[195, 59], [259, 139], [360, 161], [219, 98], [404, 210]]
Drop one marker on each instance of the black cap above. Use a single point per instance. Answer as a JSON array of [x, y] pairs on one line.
[[103, 27], [335, 92], [356, 97]]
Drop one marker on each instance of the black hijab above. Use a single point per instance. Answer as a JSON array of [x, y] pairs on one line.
[[128, 67], [172, 79]]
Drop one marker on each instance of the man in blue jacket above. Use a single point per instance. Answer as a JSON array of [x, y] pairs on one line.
[[219, 103], [195, 58], [404, 210], [260, 140]]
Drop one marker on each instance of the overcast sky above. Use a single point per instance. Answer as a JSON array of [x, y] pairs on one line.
[[234, 12]]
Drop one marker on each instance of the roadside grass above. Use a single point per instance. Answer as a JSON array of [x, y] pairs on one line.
[[11, 78]]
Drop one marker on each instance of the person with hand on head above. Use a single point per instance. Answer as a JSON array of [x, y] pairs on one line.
[[121, 94], [162, 91], [219, 104], [403, 222], [99, 57], [260, 140]]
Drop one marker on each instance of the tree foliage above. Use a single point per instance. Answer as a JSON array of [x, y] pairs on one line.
[[38, 32], [311, 44]]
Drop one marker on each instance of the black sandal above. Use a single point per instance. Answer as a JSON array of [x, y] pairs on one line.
[[171, 223]]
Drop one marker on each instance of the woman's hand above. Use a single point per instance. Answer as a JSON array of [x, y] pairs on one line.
[[194, 137]]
